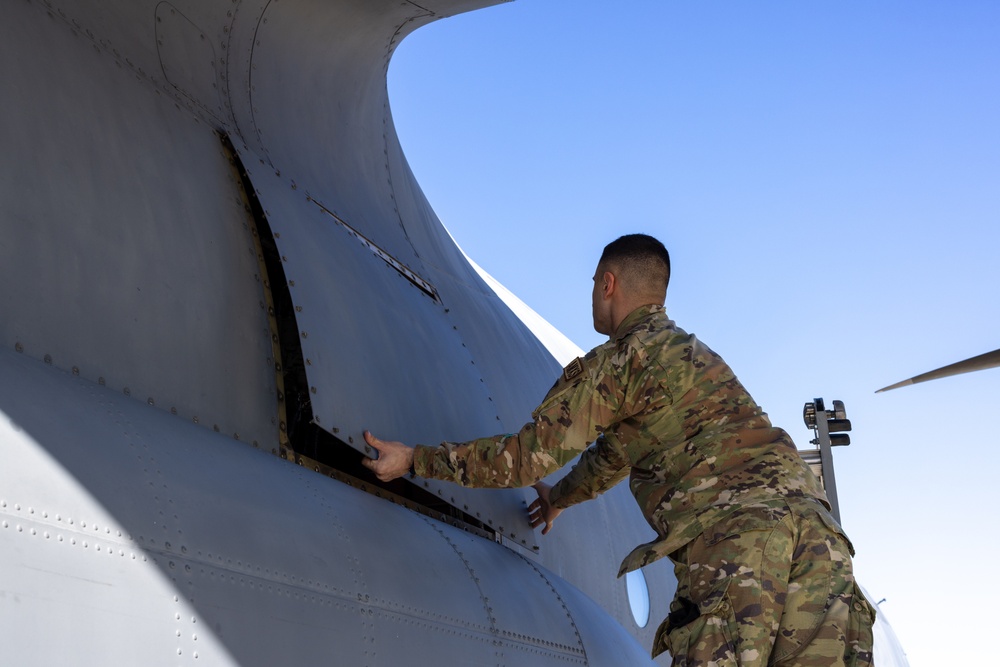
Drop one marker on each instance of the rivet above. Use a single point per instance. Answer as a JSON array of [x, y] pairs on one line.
[[76, 371], [150, 400], [127, 391], [48, 358], [18, 347], [312, 389], [100, 381], [195, 419]]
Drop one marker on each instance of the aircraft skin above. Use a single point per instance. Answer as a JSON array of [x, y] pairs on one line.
[[218, 270]]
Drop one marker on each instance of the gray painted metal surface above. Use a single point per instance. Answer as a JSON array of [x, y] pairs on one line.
[[129, 267], [408, 368], [125, 252], [209, 547], [131, 290]]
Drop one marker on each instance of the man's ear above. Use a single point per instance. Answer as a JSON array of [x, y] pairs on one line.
[[610, 284]]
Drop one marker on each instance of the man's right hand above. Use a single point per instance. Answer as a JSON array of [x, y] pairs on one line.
[[394, 458], [541, 511]]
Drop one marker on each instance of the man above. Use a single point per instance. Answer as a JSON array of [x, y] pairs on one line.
[[764, 571]]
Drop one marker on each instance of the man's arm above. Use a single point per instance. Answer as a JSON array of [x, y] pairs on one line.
[[582, 403], [600, 468], [584, 400]]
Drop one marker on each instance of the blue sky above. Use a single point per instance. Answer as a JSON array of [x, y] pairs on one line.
[[826, 176]]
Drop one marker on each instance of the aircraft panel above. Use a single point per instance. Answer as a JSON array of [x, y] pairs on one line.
[[489, 329], [210, 546], [71, 574], [422, 384], [333, 145], [125, 251], [188, 58], [615, 646]]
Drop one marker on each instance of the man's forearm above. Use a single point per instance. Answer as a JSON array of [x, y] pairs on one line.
[[600, 468], [501, 461]]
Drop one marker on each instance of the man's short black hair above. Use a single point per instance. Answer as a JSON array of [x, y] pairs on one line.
[[643, 262]]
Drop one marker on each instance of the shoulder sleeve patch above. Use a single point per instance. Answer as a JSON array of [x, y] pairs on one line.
[[574, 370]]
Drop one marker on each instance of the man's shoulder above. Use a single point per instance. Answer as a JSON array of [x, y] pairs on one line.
[[654, 335], [583, 367]]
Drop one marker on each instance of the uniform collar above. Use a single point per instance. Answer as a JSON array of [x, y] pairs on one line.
[[636, 317]]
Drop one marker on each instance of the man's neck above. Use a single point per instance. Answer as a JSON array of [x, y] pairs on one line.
[[621, 314]]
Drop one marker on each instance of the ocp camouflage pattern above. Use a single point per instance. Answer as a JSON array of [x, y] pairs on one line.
[[660, 407], [771, 584]]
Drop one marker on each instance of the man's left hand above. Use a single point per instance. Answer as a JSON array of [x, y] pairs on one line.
[[541, 512]]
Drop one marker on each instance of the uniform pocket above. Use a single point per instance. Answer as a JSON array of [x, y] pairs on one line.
[[860, 638], [709, 639], [745, 520]]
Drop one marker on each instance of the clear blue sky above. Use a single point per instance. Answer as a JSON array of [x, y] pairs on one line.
[[826, 176]]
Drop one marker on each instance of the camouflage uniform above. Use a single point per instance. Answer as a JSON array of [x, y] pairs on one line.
[[701, 457]]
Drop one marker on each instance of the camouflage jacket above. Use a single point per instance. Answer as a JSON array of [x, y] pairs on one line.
[[660, 408]]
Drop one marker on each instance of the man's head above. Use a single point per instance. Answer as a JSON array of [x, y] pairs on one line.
[[633, 271]]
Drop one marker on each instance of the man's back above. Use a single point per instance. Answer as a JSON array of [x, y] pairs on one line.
[[698, 445]]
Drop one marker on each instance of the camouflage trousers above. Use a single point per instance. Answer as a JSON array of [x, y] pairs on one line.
[[770, 585]]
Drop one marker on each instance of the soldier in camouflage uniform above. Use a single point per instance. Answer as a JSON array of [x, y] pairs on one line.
[[764, 571]]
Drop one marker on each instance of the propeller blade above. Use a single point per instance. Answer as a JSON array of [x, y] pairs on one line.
[[983, 361]]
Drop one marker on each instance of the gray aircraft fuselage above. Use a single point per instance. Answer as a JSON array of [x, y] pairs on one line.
[[217, 270]]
